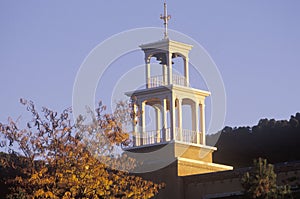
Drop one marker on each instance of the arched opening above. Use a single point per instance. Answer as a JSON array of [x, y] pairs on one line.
[[189, 121], [180, 69], [187, 105], [155, 67], [152, 123], [155, 121], [156, 70], [178, 66], [150, 132], [150, 118]]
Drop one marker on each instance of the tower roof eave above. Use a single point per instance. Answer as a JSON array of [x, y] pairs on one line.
[[195, 91], [166, 44]]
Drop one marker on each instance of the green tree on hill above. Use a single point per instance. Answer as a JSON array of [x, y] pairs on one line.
[[275, 140], [260, 182]]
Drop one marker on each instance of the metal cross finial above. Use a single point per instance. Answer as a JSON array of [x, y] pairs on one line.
[[166, 18]]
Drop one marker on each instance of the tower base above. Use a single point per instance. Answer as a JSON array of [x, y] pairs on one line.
[[190, 158], [169, 162]]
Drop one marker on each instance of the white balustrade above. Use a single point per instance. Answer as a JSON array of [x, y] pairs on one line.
[[156, 136], [157, 81]]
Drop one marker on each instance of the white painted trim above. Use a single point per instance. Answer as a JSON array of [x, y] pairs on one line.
[[225, 167], [166, 43], [197, 145], [168, 88], [146, 145]]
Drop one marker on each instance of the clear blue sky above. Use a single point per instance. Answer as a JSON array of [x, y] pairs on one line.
[[255, 44]]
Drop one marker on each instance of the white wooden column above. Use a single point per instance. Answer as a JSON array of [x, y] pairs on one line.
[[195, 121], [164, 119], [165, 72], [134, 126], [202, 123], [172, 117], [170, 68], [158, 121], [142, 122], [180, 119], [148, 72], [186, 71]]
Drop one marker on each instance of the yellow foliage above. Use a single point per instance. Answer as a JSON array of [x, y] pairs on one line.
[[39, 193], [67, 195], [66, 168]]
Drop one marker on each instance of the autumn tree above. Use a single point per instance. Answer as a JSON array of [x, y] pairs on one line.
[[62, 158], [260, 182]]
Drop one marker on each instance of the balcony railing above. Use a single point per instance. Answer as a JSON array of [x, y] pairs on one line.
[[160, 80], [164, 135], [186, 135], [153, 137], [157, 81]]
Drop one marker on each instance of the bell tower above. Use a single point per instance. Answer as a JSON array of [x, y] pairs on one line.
[[166, 94]]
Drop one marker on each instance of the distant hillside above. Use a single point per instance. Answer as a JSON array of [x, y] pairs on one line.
[[278, 141]]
